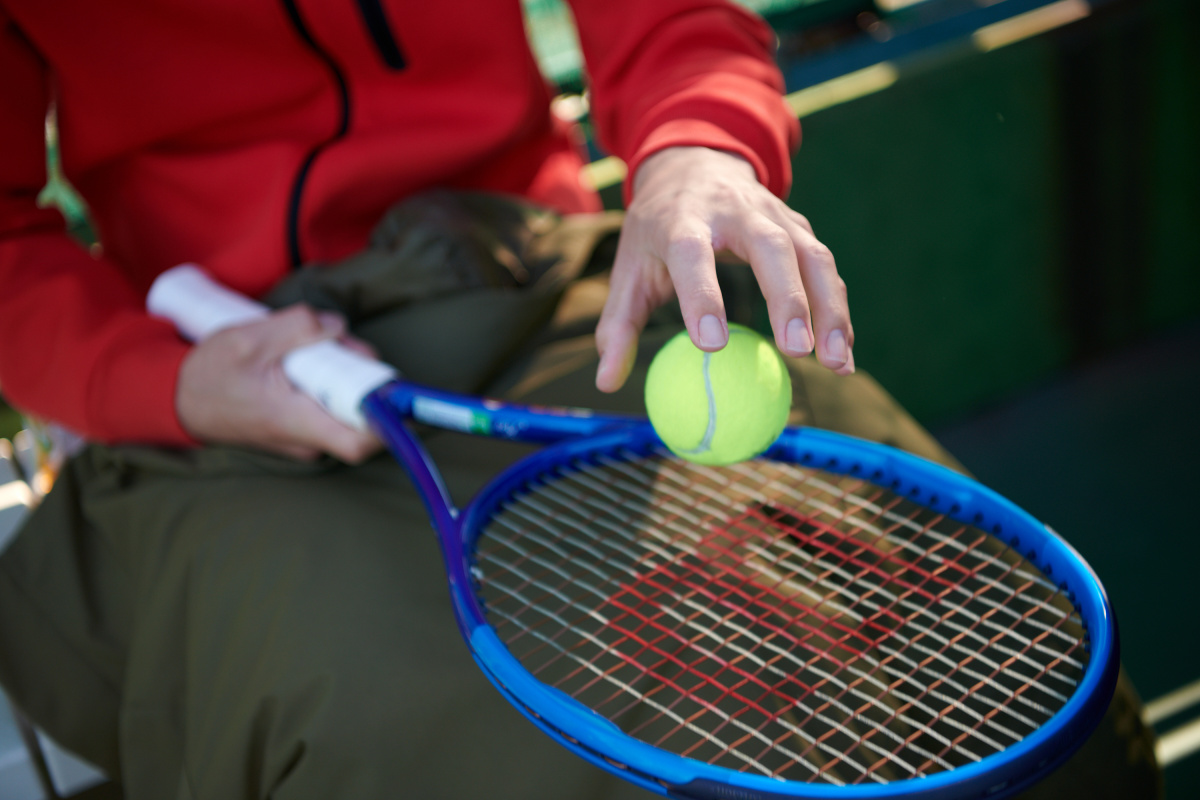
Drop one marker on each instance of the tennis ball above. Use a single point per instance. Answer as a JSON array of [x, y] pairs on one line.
[[722, 407]]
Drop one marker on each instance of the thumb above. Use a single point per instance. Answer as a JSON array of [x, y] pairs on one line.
[[626, 311]]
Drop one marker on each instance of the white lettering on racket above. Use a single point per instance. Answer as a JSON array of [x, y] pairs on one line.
[[448, 415]]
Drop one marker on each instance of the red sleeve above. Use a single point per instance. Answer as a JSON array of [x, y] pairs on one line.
[[686, 72], [76, 345]]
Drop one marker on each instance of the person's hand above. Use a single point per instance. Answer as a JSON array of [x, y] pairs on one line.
[[690, 203], [232, 390]]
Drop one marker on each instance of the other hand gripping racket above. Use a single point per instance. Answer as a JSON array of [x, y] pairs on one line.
[[835, 619]]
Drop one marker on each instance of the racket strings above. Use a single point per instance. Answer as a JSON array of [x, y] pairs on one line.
[[1064, 608], [943, 540], [845, 494], [775, 619]]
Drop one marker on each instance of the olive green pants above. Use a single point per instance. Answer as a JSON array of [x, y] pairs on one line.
[[227, 625]]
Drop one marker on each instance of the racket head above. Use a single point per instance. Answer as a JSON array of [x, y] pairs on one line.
[[918, 482]]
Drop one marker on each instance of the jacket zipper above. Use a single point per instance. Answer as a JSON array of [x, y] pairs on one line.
[[381, 33], [293, 212]]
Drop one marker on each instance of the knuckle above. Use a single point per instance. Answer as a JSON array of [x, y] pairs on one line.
[[794, 300], [726, 195], [701, 297], [837, 313], [603, 337], [686, 246], [355, 449], [242, 343], [774, 237], [801, 220], [364, 451], [819, 253], [302, 317]]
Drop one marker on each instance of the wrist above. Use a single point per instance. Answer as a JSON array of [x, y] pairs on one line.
[[682, 161]]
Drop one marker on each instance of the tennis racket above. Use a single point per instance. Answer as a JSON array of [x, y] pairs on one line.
[[835, 619]]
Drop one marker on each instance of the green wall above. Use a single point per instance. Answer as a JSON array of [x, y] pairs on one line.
[[1175, 163], [938, 199], [1001, 217]]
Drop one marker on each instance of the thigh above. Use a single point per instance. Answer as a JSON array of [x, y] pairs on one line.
[[65, 602], [293, 640]]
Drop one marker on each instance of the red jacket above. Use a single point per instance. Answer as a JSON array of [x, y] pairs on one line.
[[252, 135]]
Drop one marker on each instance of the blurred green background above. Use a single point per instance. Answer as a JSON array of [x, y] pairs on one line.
[[10, 421], [1013, 213]]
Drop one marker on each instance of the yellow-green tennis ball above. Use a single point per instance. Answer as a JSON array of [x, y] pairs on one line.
[[722, 407]]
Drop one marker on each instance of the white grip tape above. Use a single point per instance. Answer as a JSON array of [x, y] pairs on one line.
[[335, 376], [198, 305]]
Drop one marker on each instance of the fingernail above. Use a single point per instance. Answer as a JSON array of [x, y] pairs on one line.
[[712, 332], [797, 337], [331, 322], [835, 347]]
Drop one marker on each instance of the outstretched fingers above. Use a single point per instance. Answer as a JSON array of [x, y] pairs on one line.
[[769, 249], [689, 204], [833, 330], [805, 296], [654, 262], [688, 255]]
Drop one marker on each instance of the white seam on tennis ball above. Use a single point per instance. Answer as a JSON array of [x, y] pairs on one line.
[[706, 443]]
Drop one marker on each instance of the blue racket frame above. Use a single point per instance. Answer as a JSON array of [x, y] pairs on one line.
[[575, 434]]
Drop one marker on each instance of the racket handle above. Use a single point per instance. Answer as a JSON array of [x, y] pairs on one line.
[[338, 378], [198, 305], [335, 376]]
